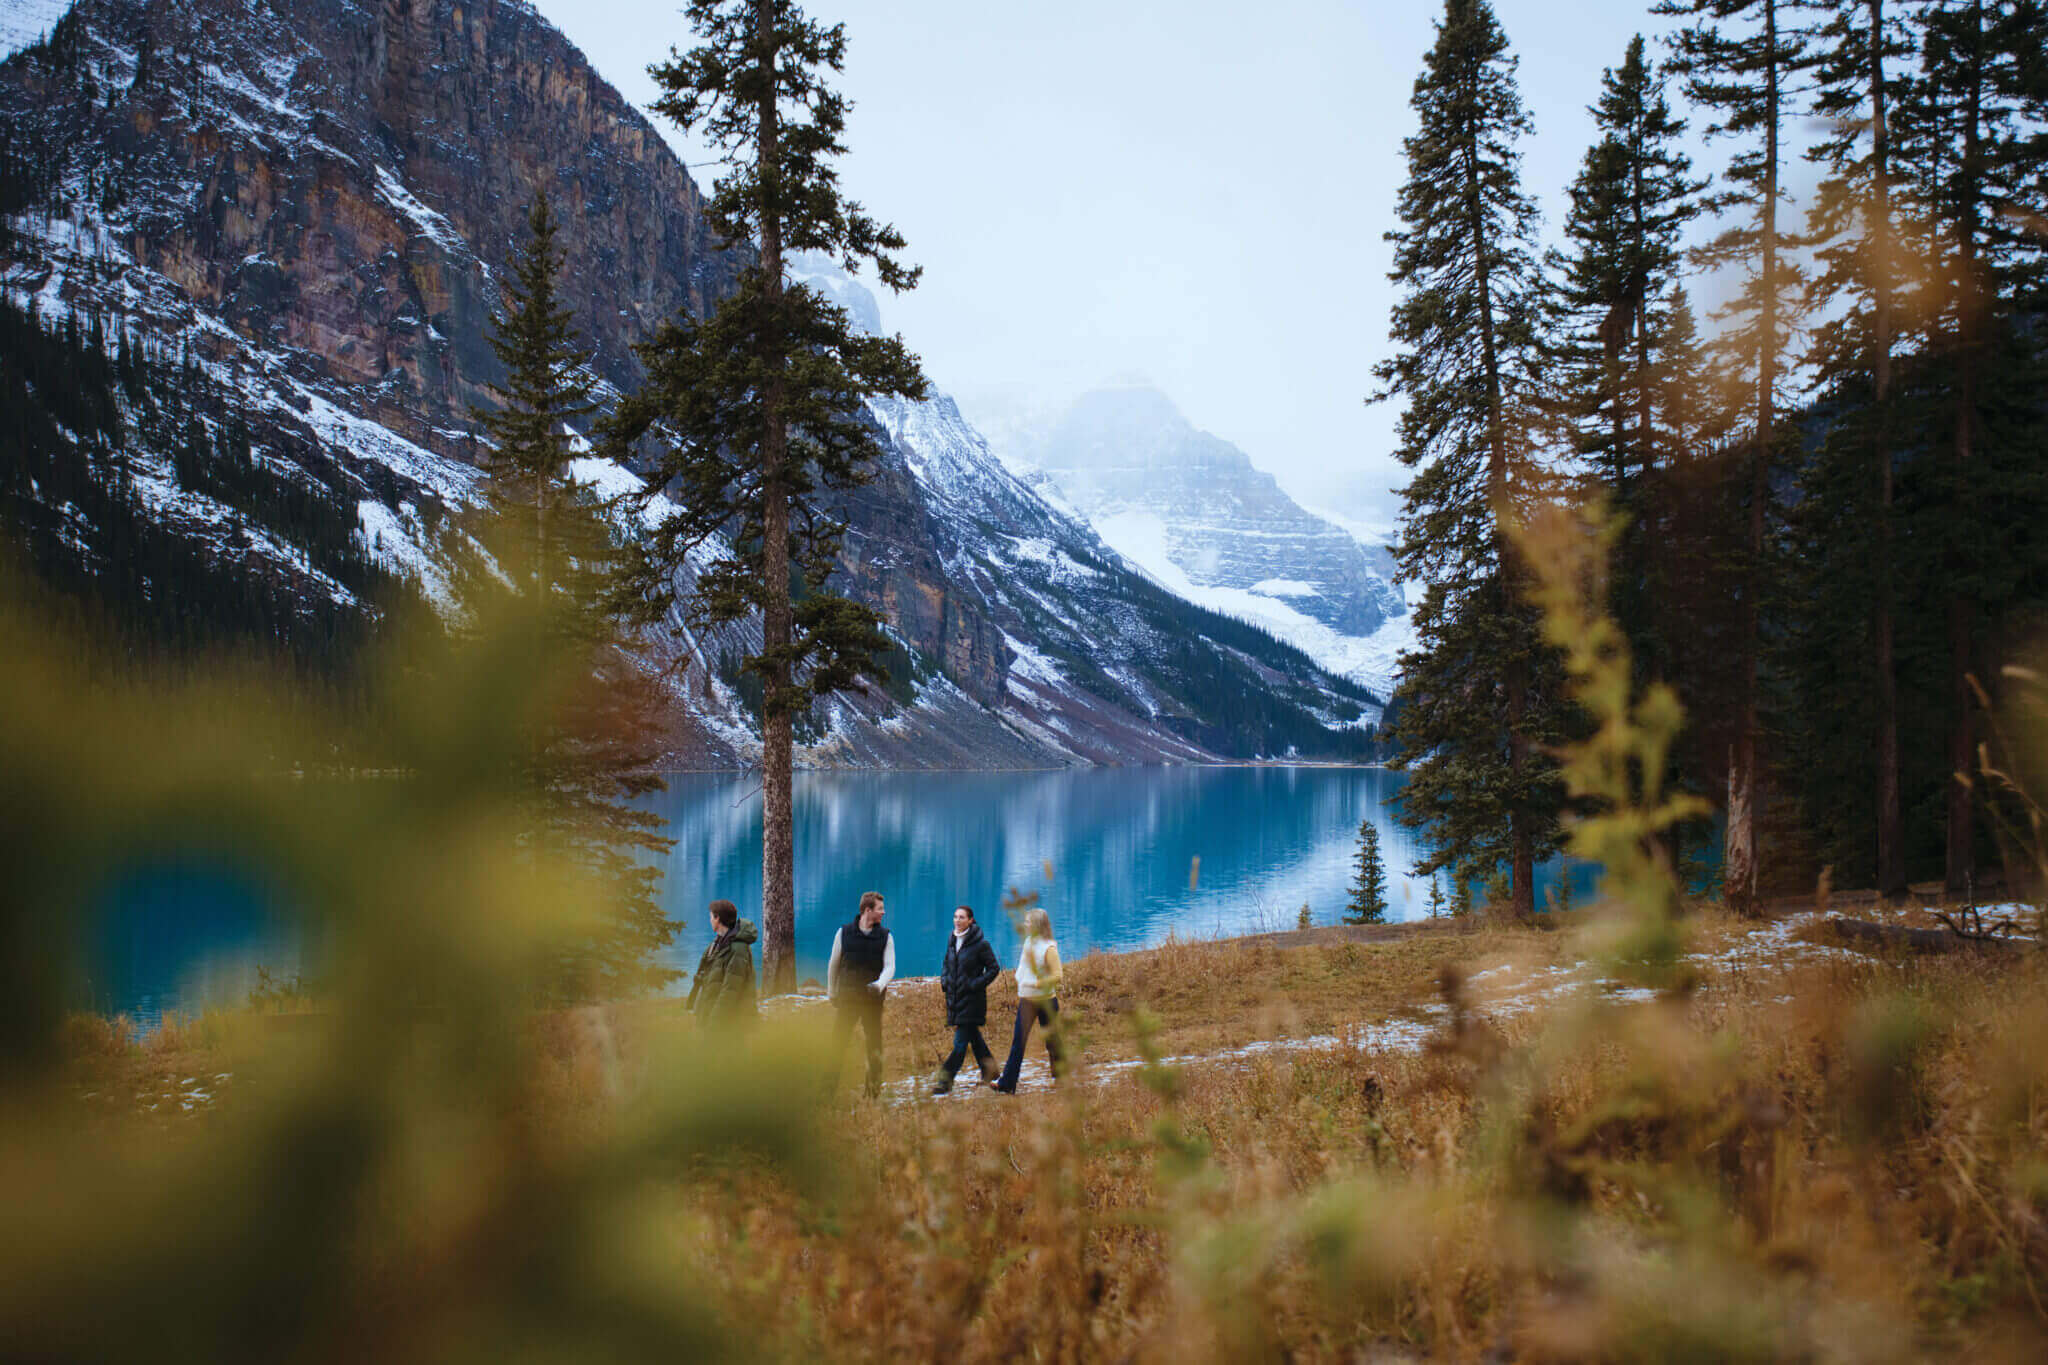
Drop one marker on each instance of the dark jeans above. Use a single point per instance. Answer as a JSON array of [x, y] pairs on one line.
[[1046, 1012], [865, 1007], [967, 1036]]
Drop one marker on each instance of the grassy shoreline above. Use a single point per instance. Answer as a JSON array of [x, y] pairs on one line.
[[1800, 1153]]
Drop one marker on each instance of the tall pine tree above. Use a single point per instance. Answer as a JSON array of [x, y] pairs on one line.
[[756, 411], [546, 390], [1480, 692], [1740, 58], [591, 746], [1630, 203], [1856, 55]]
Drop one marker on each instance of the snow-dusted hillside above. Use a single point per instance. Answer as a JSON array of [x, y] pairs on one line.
[[1192, 512], [1077, 615], [1275, 605]]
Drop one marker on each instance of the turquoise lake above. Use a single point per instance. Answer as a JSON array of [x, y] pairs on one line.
[[1111, 852]]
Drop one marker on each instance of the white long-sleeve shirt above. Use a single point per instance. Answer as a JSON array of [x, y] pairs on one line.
[[832, 967]]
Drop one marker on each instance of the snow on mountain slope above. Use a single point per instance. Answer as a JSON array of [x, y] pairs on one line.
[[1194, 514], [1143, 538], [1082, 630], [26, 21]]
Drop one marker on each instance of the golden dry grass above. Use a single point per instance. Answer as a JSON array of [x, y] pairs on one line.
[[1737, 1175], [1843, 1159]]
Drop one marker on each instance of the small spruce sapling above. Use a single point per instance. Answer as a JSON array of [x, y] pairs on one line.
[[1436, 899], [1304, 920], [1498, 892], [1369, 891]]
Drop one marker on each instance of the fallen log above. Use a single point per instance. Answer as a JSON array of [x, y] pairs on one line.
[[1861, 932]]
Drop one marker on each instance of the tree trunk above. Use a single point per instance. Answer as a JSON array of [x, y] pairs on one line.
[[1961, 742], [1521, 843], [778, 834], [1960, 733], [1891, 851], [542, 588], [1739, 870]]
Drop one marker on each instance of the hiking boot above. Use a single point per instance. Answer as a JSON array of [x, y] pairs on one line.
[[990, 1072], [942, 1083]]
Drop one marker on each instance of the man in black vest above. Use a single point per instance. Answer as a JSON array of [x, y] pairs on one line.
[[863, 963]]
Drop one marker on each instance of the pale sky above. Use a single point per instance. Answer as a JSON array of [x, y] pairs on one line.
[[1193, 193]]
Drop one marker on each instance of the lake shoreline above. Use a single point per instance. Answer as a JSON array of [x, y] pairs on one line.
[[1305, 763]]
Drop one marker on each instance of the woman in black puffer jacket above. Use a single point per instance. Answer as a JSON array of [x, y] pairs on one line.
[[970, 966]]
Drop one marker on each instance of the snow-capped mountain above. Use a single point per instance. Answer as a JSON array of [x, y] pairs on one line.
[[1193, 512], [298, 211]]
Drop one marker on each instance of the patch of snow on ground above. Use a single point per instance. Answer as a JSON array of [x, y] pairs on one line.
[[1777, 941], [1032, 550], [613, 483], [609, 479], [240, 85], [1029, 663], [457, 483]]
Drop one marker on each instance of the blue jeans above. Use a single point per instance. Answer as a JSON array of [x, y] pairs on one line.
[[967, 1036], [1045, 1012]]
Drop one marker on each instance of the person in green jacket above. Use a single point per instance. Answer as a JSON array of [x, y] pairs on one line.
[[722, 992]]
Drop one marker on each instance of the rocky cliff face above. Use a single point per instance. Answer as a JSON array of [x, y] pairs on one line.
[[342, 182], [890, 559], [331, 189], [309, 204]]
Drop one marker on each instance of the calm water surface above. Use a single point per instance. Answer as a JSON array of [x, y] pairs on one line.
[[1111, 852]]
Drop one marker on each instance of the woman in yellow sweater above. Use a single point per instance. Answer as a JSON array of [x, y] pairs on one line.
[[1038, 998]]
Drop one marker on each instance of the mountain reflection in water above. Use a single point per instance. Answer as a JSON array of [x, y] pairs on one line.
[[1120, 843]]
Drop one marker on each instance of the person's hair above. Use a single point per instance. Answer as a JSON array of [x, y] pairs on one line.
[[869, 899], [1036, 921], [970, 912], [725, 912]]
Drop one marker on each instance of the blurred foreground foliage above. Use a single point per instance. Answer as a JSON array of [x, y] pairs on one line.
[[393, 1187]]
